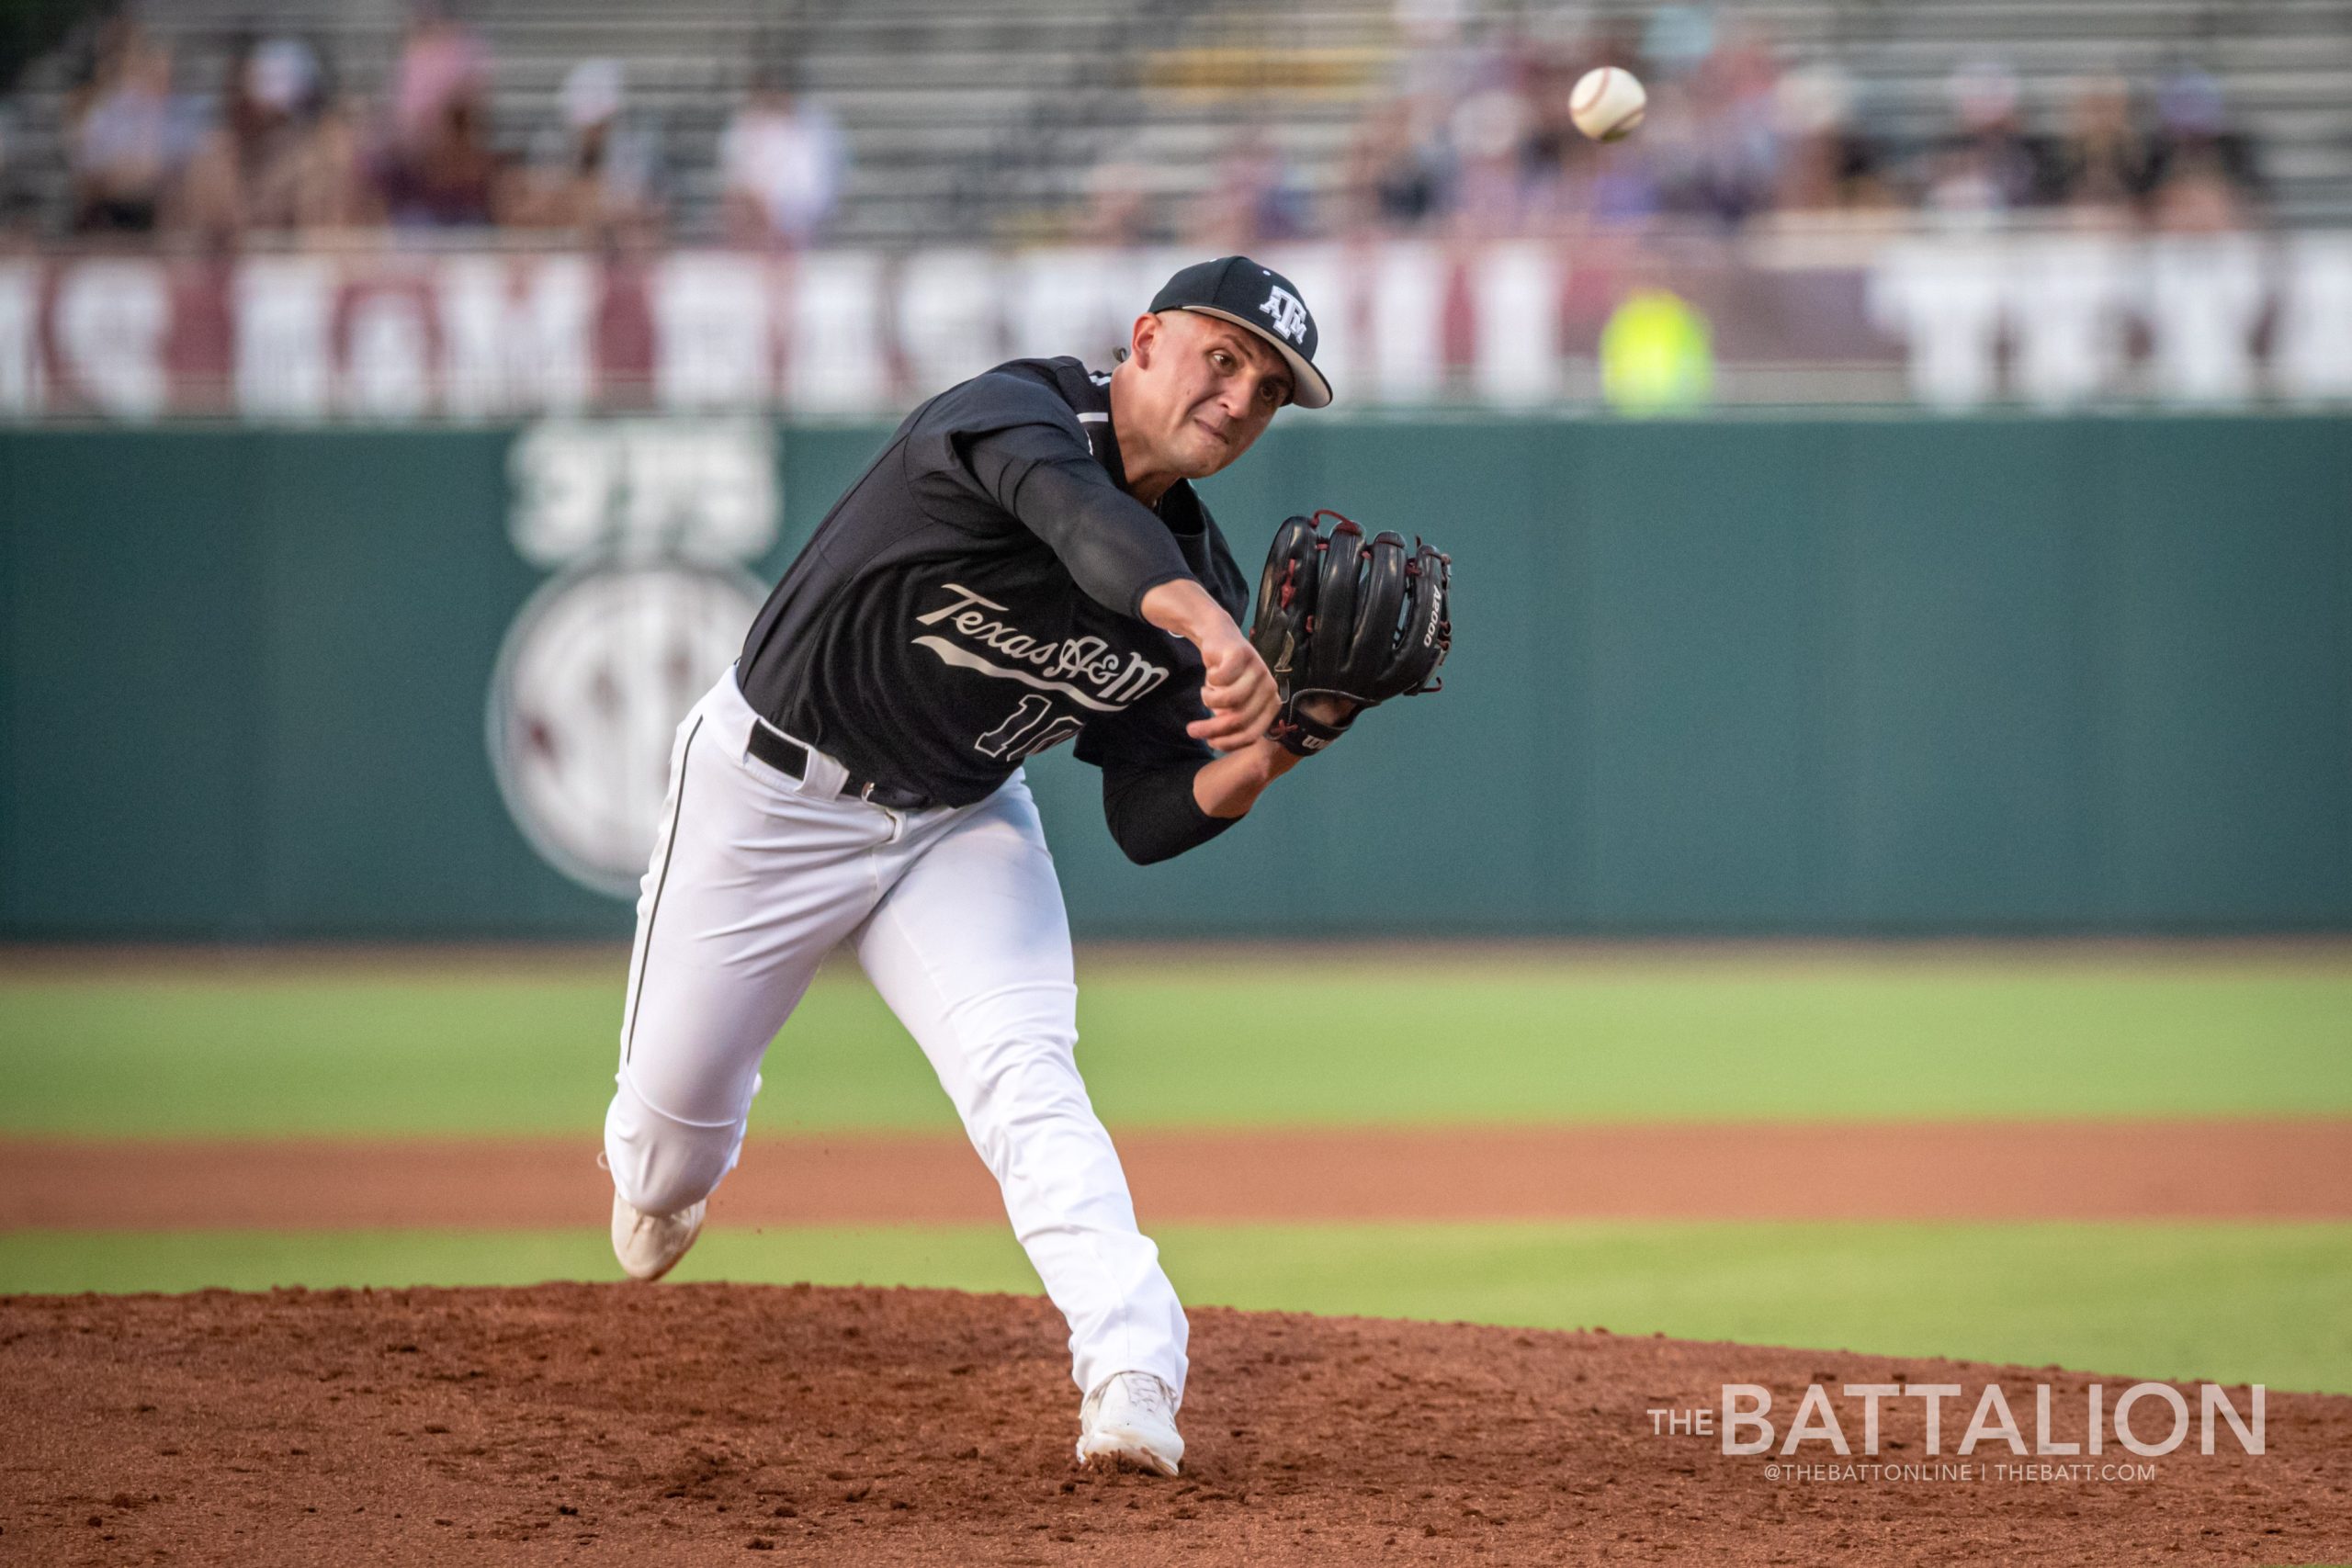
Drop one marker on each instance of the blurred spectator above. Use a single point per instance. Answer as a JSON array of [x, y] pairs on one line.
[[1396, 172], [451, 178], [595, 172], [1988, 166], [245, 173], [441, 66], [781, 167], [2101, 163], [1253, 196], [1732, 163], [1489, 132], [1553, 139], [2203, 171], [321, 183], [436, 167], [131, 138], [1825, 162]]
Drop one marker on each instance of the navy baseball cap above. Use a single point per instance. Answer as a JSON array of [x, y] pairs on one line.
[[1236, 289]]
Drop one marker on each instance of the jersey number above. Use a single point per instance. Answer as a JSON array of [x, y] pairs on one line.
[[1026, 732]]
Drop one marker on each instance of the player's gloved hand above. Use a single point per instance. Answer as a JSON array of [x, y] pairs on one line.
[[1345, 625]]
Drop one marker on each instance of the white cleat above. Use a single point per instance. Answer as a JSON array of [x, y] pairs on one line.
[[650, 1246], [1129, 1422]]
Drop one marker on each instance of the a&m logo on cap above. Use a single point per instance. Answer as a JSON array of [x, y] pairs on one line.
[[1289, 314]]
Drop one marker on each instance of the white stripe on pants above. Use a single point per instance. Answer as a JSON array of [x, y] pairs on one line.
[[956, 917]]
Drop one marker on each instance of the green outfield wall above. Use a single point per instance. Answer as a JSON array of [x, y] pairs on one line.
[[1754, 676]]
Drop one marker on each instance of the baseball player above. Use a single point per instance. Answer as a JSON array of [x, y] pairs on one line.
[[1025, 563]]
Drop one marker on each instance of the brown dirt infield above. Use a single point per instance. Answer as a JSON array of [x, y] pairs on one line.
[[685, 1423], [694, 1424], [2044, 1170]]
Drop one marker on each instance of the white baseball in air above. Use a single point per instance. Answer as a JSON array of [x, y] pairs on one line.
[[1606, 104]]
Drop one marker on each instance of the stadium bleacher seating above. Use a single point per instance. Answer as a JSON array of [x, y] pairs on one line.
[[981, 121]]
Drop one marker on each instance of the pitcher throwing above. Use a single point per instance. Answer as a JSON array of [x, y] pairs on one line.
[[1025, 563]]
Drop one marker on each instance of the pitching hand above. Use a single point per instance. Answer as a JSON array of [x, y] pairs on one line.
[[1238, 690]]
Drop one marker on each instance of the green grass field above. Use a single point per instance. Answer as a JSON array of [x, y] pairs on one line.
[[1738, 1038], [383, 1051]]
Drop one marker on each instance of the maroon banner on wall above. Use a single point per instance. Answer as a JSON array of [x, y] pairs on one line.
[[2046, 321]]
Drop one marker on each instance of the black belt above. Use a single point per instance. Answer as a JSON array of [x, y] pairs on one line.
[[791, 758]]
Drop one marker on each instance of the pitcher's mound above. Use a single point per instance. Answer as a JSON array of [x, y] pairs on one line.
[[687, 1424]]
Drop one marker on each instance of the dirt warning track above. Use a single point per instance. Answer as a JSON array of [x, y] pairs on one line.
[[1993, 1171], [694, 1424]]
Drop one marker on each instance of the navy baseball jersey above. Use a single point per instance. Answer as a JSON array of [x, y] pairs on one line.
[[974, 598]]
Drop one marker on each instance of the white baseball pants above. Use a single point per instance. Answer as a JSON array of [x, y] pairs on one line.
[[956, 917]]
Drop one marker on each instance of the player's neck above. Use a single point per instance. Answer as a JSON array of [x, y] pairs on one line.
[[1149, 476]]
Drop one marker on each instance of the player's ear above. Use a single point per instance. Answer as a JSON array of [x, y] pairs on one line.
[[1140, 339]]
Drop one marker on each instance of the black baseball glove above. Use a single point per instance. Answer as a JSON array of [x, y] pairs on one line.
[[1342, 619]]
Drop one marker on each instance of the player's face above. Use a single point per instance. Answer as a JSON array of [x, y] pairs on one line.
[[1216, 388]]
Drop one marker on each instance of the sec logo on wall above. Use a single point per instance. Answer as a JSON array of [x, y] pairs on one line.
[[647, 526]]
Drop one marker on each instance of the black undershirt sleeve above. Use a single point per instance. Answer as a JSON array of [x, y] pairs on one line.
[[1152, 812], [1022, 450], [1149, 764], [1114, 548]]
